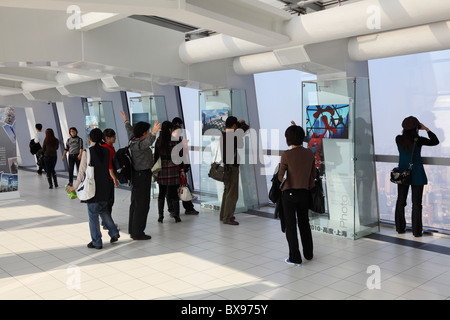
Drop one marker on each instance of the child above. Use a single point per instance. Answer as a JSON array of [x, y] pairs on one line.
[[109, 138]]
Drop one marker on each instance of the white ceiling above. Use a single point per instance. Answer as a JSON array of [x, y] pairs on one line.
[[48, 53]]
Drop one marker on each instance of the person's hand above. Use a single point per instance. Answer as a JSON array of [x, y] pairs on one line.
[[293, 123], [116, 183], [62, 159], [70, 189], [156, 128], [124, 116], [422, 127]]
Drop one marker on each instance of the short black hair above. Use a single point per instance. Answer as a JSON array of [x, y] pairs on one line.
[[231, 120], [74, 129], [177, 121], [294, 135], [38, 126], [96, 135], [140, 128], [109, 133]]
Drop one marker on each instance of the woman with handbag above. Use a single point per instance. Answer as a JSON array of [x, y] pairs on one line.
[[408, 142], [98, 205], [169, 175], [299, 164]]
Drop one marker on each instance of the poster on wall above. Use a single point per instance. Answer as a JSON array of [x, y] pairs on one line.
[[214, 119], [9, 182], [91, 123], [325, 122]]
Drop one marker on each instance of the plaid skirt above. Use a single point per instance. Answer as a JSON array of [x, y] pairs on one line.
[[169, 174]]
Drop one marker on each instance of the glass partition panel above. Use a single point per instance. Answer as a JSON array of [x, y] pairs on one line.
[[329, 111], [215, 107], [148, 109], [99, 114], [365, 167]]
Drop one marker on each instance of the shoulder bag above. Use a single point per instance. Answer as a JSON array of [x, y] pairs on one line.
[[156, 169], [183, 192], [86, 189], [219, 172], [403, 176], [317, 196]]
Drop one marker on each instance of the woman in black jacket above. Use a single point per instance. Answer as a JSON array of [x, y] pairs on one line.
[[406, 142]]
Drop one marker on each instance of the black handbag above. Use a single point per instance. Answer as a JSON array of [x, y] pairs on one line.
[[403, 176], [219, 172], [275, 189], [317, 196]]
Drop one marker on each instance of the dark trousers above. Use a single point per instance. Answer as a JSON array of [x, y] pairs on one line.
[[50, 163], [416, 213], [73, 160], [295, 210], [230, 196], [140, 202], [173, 203], [40, 161]]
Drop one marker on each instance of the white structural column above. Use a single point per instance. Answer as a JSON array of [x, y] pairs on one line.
[[430, 37], [346, 21]]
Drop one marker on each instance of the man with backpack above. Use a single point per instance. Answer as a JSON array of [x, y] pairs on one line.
[[37, 144], [141, 176]]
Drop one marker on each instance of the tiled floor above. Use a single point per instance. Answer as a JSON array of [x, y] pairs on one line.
[[43, 255]]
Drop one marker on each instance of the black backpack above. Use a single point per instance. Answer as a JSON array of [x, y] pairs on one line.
[[122, 165], [34, 147]]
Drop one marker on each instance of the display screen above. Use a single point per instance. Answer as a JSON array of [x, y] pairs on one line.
[[327, 121]]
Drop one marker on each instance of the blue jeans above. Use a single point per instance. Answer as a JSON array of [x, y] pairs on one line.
[[100, 209]]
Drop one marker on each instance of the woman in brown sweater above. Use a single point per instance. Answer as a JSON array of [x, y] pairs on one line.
[[298, 164], [49, 148]]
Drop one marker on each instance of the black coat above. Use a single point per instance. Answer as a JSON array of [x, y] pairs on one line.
[[275, 197]]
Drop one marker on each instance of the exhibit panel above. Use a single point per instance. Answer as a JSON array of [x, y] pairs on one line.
[[148, 109], [333, 113], [98, 114], [215, 107], [9, 182]]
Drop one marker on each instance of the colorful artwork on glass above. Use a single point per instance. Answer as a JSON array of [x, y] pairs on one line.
[[325, 122]]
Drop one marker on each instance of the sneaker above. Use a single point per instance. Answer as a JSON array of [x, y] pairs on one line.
[[115, 238], [289, 262], [191, 212], [232, 222], [91, 246], [143, 237]]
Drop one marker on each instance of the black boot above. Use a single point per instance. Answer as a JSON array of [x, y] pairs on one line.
[[55, 180], [176, 209], [50, 183], [161, 210]]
